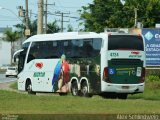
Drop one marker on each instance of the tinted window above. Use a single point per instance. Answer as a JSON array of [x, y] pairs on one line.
[[25, 45], [78, 48], [44, 50], [81, 48], [22, 57], [128, 42]]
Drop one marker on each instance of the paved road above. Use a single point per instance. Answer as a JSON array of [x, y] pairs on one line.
[[3, 79]]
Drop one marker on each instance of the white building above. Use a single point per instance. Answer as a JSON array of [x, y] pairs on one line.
[[5, 49]]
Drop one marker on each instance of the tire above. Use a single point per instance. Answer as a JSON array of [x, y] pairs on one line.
[[62, 94], [29, 89], [74, 89], [122, 96], [84, 90], [109, 95]]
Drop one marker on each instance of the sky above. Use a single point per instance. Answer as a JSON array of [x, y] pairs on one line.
[[9, 15]]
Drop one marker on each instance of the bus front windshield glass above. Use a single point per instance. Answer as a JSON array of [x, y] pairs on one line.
[[125, 42], [22, 57]]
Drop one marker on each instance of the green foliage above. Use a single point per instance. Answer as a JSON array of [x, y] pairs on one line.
[[154, 72], [52, 27], [152, 89], [152, 78], [153, 82], [153, 85], [69, 28], [32, 26], [11, 36], [112, 14]]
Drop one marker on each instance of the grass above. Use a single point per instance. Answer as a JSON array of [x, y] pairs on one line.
[[151, 92], [12, 102], [14, 86], [30, 107]]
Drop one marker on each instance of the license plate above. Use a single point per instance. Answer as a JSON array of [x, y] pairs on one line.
[[125, 87]]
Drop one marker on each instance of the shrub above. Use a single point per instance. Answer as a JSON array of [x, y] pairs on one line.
[[152, 78]]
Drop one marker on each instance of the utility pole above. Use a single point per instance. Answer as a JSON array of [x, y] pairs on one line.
[[40, 17], [46, 13], [27, 30], [27, 20], [135, 17], [45, 31], [62, 21]]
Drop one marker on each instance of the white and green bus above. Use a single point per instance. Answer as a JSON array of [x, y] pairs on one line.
[[83, 63]]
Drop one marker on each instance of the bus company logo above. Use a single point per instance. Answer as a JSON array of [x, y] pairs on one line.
[[39, 65], [135, 53], [148, 35]]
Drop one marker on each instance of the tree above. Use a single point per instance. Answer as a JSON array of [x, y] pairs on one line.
[[11, 37], [52, 27], [69, 28], [112, 14], [32, 26]]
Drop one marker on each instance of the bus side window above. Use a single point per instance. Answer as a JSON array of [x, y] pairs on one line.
[[97, 44], [31, 57], [67, 48], [88, 49], [32, 52], [54, 49], [76, 45]]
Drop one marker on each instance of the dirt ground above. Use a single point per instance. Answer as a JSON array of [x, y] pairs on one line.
[[5, 86]]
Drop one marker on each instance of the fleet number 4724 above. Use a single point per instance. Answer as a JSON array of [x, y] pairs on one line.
[[114, 54]]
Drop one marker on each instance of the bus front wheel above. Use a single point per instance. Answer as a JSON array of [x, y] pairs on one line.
[[29, 88]]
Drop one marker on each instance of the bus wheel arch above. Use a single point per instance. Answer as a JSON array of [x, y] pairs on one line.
[[74, 87], [28, 87], [84, 87]]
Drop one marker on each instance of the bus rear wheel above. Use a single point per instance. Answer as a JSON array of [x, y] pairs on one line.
[[74, 89], [122, 95], [108, 95], [84, 90], [62, 94]]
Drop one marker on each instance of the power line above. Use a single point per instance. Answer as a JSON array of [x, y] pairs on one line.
[[67, 7], [62, 18], [46, 9], [9, 20]]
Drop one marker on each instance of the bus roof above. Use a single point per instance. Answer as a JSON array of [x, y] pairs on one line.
[[117, 33], [62, 36]]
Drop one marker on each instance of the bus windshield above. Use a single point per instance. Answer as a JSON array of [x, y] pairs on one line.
[[22, 57], [125, 42]]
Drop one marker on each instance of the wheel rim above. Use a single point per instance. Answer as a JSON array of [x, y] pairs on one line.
[[74, 90], [29, 88], [84, 90]]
